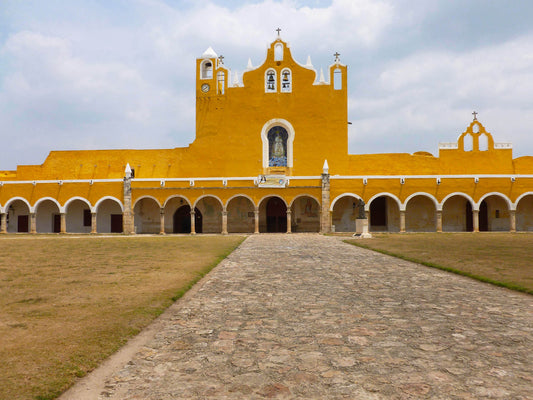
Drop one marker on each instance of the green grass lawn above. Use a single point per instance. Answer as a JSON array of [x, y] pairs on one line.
[[504, 259], [67, 302]]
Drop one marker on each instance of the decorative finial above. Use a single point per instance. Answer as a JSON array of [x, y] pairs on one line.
[[325, 168], [337, 54], [475, 115], [249, 66], [128, 171], [221, 59], [278, 30], [322, 80], [309, 63]]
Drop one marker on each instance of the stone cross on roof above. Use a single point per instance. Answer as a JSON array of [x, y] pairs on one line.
[[337, 54], [278, 30], [475, 115]]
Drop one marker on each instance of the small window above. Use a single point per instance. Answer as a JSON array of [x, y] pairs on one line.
[[337, 79], [286, 80], [221, 77], [207, 69], [87, 217], [278, 52], [270, 81]]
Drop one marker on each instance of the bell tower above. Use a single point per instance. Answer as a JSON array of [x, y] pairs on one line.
[[211, 75]]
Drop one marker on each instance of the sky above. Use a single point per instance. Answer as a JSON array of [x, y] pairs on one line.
[[111, 74]]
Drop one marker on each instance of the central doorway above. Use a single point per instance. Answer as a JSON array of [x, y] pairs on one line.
[[182, 220], [276, 213]]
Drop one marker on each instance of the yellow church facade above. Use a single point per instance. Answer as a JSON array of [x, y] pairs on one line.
[[271, 155]]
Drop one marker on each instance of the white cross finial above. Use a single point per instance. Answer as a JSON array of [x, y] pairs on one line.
[[475, 115]]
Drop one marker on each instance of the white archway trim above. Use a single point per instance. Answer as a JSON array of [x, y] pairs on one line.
[[41, 200], [515, 204], [240, 195], [341, 196], [290, 131], [13, 199], [107, 198], [147, 197], [398, 202], [509, 203], [177, 197], [424, 194], [72, 199], [206, 196], [467, 197], [272, 195], [305, 195]]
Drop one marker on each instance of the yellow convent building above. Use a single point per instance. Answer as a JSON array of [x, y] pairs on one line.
[[271, 155]]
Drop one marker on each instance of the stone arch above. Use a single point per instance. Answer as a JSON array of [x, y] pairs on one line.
[[18, 211], [290, 139], [72, 199], [170, 206], [429, 196], [384, 212], [109, 215], [47, 215], [305, 214], [147, 197], [420, 212], [241, 214], [78, 215], [147, 215], [43, 199], [344, 211], [101, 200], [495, 214], [211, 208], [457, 212], [273, 214], [13, 199], [498, 194], [524, 212]]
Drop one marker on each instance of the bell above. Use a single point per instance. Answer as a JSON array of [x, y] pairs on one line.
[[286, 76], [270, 78]]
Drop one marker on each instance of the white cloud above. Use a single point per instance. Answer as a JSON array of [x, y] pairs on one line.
[[430, 95]]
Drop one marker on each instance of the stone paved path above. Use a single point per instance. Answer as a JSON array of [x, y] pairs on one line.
[[310, 317]]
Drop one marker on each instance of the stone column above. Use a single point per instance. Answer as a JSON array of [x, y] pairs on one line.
[[3, 223], [325, 220], [289, 212], [63, 223], [475, 222], [224, 222], [439, 220], [193, 222], [127, 216], [402, 221], [512, 220], [33, 223], [161, 221], [93, 223], [256, 220]]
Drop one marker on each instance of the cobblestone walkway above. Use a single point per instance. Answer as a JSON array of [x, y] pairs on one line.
[[310, 317]]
